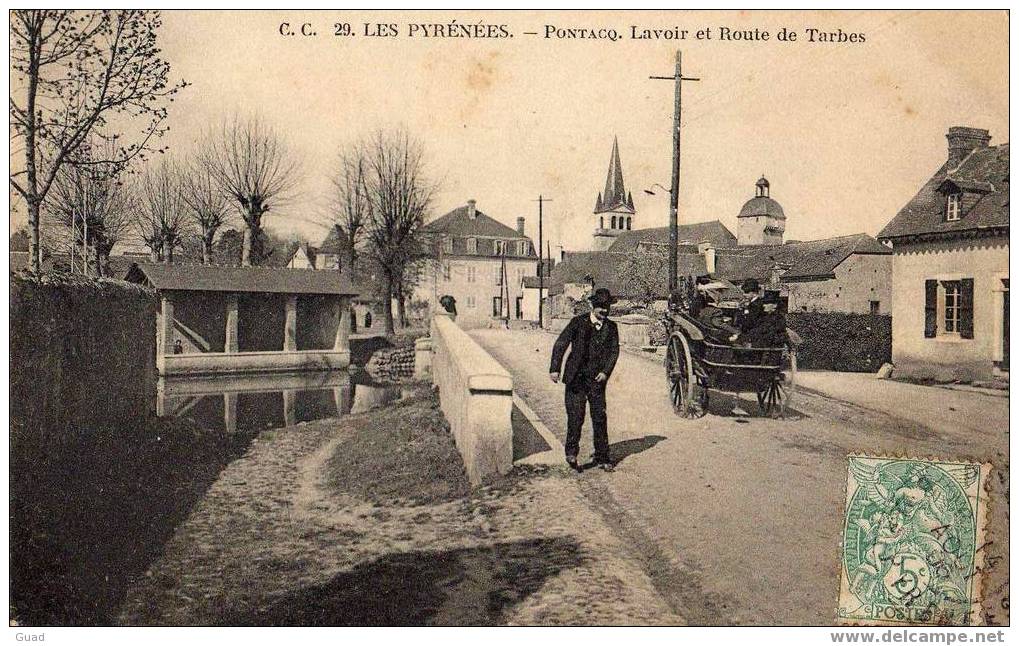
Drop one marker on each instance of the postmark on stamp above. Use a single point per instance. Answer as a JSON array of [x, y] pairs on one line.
[[912, 542]]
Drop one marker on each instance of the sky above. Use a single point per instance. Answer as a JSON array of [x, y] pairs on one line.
[[845, 133]]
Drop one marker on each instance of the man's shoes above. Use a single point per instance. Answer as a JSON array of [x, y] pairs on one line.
[[607, 466], [573, 463]]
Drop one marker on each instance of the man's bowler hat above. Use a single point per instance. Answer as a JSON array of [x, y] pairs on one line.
[[601, 298], [751, 285]]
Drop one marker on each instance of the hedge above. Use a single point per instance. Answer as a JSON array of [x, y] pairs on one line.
[[841, 341]]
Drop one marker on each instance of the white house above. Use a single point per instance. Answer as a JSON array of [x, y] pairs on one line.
[[950, 266]]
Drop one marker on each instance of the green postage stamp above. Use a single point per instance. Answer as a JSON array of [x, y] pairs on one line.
[[912, 542]]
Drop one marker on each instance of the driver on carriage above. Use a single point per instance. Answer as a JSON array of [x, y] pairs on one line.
[[762, 323]]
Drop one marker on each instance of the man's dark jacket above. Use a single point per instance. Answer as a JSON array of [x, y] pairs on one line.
[[593, 351]]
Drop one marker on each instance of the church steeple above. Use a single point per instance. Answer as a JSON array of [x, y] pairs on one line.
[[614, 206], [615, 191]]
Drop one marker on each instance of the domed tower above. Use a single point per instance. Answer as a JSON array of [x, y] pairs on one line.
[[761, 220], [613, 210]]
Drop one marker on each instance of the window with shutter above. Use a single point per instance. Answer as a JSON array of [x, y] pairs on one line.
[[966, 308], [930, 328]]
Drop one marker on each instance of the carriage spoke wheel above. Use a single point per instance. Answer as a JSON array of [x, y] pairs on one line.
[[689, 398], [773, 396]]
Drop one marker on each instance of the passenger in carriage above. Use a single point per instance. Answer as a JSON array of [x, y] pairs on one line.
[[716, 322]]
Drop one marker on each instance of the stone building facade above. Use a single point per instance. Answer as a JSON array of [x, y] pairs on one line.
[[478, 261]]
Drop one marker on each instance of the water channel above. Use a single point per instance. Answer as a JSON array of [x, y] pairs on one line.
[[254, 402]]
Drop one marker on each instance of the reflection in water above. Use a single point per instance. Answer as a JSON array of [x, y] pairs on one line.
[[253, 402]]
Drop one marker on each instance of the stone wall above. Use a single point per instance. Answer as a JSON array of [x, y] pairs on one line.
[[476, 396], [82, 356], [392, 364]]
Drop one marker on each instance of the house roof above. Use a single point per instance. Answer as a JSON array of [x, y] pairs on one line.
[[531, 282], [802, 260], [266, 280], [458, 223], [458, 226], [607, 269], [983, 175], [714, 232]]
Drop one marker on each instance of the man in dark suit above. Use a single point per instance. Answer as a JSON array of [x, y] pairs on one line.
[[593, 341], [753, 308], [762, 325]]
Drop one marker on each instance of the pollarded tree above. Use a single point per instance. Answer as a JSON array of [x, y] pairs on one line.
[[352, 206], [208, 208], [161, 222], [252, 164], [401, 195], [76, 76]]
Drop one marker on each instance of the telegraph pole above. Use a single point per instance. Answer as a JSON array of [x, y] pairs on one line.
[[541, 270], [674, 191]]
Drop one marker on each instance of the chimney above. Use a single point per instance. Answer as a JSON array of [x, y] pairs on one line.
[[962, 141], [472, 209], [709, 259], [520, 226], [562, 252]]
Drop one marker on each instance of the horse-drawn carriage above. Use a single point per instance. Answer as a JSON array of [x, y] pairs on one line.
[[696, 362]]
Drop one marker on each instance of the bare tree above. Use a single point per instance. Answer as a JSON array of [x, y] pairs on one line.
[[645, 271], [92, 206], [162, 222], [73, 73], [400, 195], [351, 203], [208, 207], [254, 166]]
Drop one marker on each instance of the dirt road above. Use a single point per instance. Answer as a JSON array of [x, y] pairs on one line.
[[739, 519]]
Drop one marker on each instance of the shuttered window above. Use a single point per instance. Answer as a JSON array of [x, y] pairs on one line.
[[948, 304]]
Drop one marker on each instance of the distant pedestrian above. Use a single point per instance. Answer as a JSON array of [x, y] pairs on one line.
[[593, 341]]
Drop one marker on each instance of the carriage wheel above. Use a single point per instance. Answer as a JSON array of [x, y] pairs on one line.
[[773, 396], [689, 398]]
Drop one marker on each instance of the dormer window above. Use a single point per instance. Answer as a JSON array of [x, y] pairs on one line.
[[952, 207], [500, 247], [447, 245], [522, 248], [472, 245]]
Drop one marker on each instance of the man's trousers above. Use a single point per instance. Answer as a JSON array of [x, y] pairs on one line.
[[581, 392]]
